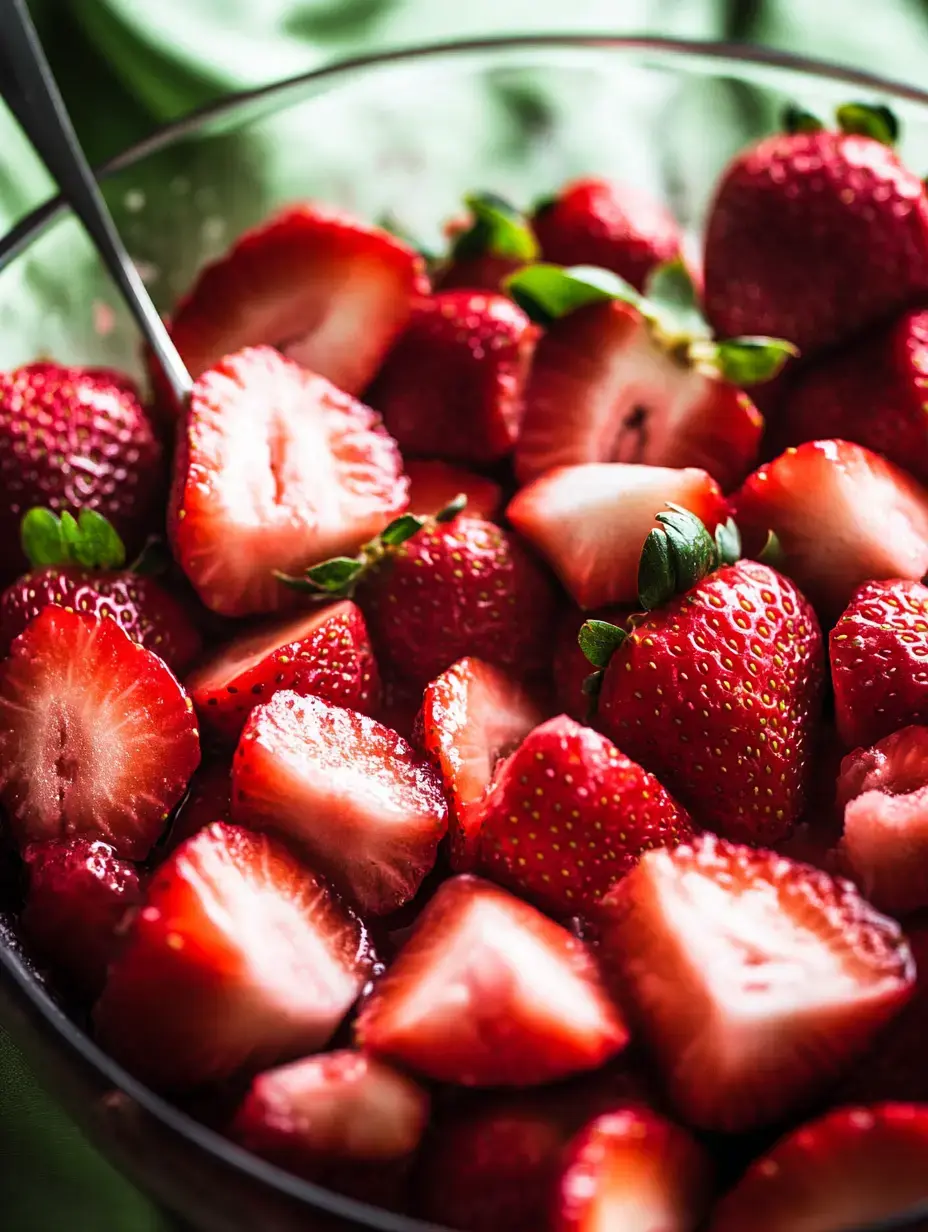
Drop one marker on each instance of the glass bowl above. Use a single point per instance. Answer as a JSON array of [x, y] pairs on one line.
[[400, 136]]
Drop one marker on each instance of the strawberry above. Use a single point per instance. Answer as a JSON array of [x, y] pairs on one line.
[[568, 815], [433, 485], [97, 738], [884, 627], [490, 242], [715, 688], [871, 392], [208, 799], [276, 470], [452, 385], [633, 1170], [589, 522], [816, 837], [76, 438], [884, 793], [366, 809], [472, 715], [325, 652], [813, 236], [855, 1166], [613, 226], [571, 668], [79, 891], [77, 563], [619, 377], [236, 929], [754, 980], [325, 288], [841, 515], [488, 992]]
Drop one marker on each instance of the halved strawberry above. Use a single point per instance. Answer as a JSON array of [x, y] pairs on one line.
[[240, 958], [884, 793], [854, 1167], [325, 288], [488, 992], [434, 485], [842, 516], [325, 652], [632, 1170], [755, 980], [97, 738], [590, 522], [471, 716], [276, 470], [369, 812]]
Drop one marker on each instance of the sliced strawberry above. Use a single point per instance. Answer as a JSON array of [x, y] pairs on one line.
[[325, 652], [590, 522], [241, 957], [208, 799], [348, 790], [328, 290], [277, 470], [842, 516], [471, 716], [755, 980], [568, 815], [97, 738], [488, 992], [603, 390], [633, 1170], [434, 485], [853, 1167], [571, 668], [79, 893]]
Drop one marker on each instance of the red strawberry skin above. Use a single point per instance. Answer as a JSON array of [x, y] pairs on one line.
[[465, 587], [452, 385], [148, 613], [879, 661], [728, 724], [433, 485], [812, 237], [568, 815], [75, 438], [613, 226], [79, 892]]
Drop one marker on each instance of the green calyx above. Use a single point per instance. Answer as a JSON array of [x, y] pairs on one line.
[[88, 540], [872, 120], [498, 229]]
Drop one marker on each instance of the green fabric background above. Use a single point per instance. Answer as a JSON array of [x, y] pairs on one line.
[[128, 65]]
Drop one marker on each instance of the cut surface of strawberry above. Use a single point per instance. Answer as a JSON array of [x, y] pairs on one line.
[[851, 1168], [590, 522], [471, 717], [97, 738], [325, 288], [434, 484], [325, 652], [276, 470], [755, 980], [353, 794], [488, 992], [241, 957]]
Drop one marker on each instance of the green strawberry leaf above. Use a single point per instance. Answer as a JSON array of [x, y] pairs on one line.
[[401, 529], [87, 540], [41, 538], [795, 120], [547, 292], [676, 555], [498, 229], [743, 361], [772, 553], [673, 301], [99, 544], [599, 640], [656, 577], [452, 509], [728, 542], [869, 120], [336, 575]]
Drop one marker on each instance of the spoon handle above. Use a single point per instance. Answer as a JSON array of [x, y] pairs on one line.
[[29, 89]]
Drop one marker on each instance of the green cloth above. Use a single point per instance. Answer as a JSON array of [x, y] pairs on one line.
[[127, 65]]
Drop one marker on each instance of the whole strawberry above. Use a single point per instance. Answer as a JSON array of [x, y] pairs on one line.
[[491, 242], [815, 234], [76, 438], [715, 689], [78, 563]]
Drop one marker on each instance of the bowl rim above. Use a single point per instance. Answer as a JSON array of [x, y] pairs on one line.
[[42, 1009]]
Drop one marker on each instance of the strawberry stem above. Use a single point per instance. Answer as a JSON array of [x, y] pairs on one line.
[[869, 120]]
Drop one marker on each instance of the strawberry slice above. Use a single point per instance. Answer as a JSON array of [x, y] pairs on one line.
[[369, 812], [241, 957], [590, 522], [276, 470], [434, 485], [471, 716], [755, 980], [853, 1167], [97, 738], [488, 992], [634, 1170], [325, 652], [323, 287], [842, 516]]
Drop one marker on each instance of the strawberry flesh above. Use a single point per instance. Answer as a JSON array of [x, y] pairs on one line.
[[433, 485]]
